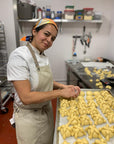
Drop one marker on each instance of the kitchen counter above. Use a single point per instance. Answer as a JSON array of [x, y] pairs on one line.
[[76, 75]]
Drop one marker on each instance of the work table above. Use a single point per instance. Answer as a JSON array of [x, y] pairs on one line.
[[76, 75]]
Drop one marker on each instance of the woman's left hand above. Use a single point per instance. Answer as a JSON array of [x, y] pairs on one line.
[[77, 88]]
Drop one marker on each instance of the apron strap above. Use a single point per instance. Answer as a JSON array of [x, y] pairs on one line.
[[34, 57]]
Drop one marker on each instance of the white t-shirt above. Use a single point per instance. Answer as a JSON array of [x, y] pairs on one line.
[[21, 66]]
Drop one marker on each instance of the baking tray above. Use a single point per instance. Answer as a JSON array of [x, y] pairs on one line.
[[63, 120]]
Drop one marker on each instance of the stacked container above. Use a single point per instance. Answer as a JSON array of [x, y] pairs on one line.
[[69, 12]]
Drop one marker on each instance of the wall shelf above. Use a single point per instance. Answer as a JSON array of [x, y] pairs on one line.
[[61, 21], [64, 21]]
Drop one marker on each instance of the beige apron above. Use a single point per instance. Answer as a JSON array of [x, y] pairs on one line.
[[34, 122]]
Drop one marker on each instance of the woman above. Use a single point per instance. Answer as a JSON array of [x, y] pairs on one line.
[[28, 69]]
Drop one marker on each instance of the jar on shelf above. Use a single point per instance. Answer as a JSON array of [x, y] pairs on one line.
[[43, 12], [79, 15], [58, 15], [69, 14], [88, 13], [48, 13]]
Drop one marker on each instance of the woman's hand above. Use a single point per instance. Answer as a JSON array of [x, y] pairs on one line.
[[70, 91]]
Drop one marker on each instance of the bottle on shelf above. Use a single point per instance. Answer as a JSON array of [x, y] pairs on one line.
[[43, 12], [52, 14], [58, 15], [48, 13], [39, 13]]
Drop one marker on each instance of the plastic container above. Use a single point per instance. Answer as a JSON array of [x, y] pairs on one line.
[[74, 60], [79, 15], [97, 16], [69, 14], [88, 13], [48, 13]]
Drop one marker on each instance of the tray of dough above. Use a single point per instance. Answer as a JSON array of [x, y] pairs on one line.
[[87, 119]]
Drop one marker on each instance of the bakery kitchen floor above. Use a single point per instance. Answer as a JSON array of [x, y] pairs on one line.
[[7, 132]]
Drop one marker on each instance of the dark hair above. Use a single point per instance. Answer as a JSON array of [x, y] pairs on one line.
[[38, 29]]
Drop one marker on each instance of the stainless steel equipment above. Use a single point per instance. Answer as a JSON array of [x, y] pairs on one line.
[[5, 87], [25, 10]]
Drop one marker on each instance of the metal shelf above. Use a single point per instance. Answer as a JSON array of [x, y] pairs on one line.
[[5, 89], [64, 21]]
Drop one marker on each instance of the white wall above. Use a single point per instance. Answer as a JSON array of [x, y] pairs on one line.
[[102, 38], [110, 49], [62, 48], [7, 18]]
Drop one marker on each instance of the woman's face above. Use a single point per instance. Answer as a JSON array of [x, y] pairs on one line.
[[44, 38]]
